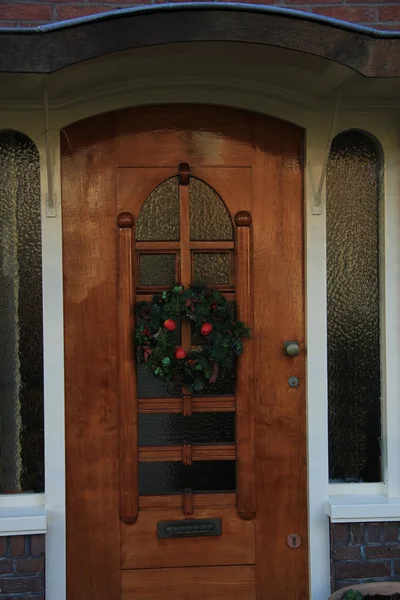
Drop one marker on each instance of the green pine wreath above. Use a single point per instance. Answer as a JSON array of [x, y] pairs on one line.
[[212, 316]]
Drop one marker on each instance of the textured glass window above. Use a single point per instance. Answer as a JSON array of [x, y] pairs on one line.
[[159, 216], [212, 269], [21, 330], [354, 386], [209, 217], [174, 477], [157, 269], [199, 428]]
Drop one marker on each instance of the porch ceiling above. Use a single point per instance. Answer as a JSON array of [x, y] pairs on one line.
[[46, 49]]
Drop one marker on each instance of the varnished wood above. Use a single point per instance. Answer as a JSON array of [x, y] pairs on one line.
[[187, 453], [146, 297], [187, 505], [280, 412], [255, 167], [227, 500], [128, 420], [177, 405], [141, 549], [245, 476], [91, 370], [212, 245], [218, 583]]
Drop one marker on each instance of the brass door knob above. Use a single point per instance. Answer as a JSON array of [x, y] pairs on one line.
[[291, 348]]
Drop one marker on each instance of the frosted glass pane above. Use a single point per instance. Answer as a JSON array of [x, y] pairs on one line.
[[353, 309], [157, 269], [209, 218], [213, 269], [21, 333], [159, 216]]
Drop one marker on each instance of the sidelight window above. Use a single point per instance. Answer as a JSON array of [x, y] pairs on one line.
[[21, 329], [353, 289]]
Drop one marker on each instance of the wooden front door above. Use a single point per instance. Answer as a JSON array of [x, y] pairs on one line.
[[153, 196]]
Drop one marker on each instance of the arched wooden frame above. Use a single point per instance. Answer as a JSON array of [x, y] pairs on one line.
[[130, 406]]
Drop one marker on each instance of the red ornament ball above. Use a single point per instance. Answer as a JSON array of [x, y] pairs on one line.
[[170, 324], [206, 329], [180, 353]]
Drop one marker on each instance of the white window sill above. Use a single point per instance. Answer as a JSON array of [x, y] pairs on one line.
[[20, 520], [362, 509]]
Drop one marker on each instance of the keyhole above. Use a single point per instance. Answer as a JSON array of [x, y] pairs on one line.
[[294, 540]]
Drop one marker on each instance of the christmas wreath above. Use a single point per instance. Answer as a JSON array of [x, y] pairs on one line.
[[213, 325]]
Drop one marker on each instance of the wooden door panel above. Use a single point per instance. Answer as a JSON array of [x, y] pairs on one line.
[[111, 165], [167, 136], [211, 583], [141, 549]]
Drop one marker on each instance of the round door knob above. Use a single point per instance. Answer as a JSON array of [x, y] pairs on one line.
[[291, 348]]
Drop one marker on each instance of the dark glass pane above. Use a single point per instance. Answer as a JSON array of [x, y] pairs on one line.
[[212, 269], [354, 385], [199, 428], [159, 216], [209, 218], [157, 269], [21, 329], [174, 477]]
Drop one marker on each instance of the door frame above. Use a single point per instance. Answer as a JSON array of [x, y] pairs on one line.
[[379, 122]]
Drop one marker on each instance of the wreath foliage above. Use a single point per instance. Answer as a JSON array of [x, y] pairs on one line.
[[213, 321]]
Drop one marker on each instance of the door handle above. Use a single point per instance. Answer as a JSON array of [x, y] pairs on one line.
[[291, 348]]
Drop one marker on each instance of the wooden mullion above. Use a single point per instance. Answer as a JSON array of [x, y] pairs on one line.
[[200, 501], [245, 468], [199, 404], [127, 392], [144, 293], [212, 246], [161, 247], [178, 453]]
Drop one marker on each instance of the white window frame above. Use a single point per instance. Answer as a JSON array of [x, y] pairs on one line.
[[344, 502]]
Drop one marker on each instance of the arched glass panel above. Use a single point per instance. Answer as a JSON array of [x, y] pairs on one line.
[[209, 218], [354, 373], [21, 329], [158, 219]]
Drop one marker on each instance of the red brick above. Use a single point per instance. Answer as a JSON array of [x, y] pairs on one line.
[[374, 532], [30, 565], [389, 13], [391, 532], [356, 533], [347, 553], [17, 545], [359, 570], [392, 551], [311, 2], [37, 545], [73, 11], [2, 547], [355, 14], [34, 12], [371, 2], [20, 585], [5, 566], [340, 533]]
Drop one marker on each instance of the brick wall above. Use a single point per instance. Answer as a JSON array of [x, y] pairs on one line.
[[364, 552], [22, 567], [382, 14]]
